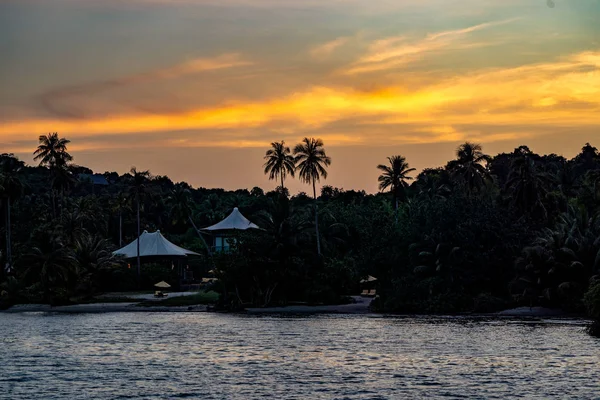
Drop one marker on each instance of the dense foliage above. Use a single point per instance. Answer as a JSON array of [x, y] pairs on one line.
[[480, 234]]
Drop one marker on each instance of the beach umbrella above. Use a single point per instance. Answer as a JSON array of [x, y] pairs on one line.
[[162, 285], [369, 279]]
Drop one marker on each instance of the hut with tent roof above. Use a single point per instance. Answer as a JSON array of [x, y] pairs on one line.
[[222, 232], [154, 246]]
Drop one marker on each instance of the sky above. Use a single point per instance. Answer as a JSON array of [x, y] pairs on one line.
[[198, 89]]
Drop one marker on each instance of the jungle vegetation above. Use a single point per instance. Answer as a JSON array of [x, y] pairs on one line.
[[480, 234]]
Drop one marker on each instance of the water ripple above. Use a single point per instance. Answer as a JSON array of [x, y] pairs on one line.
[[214, 356]]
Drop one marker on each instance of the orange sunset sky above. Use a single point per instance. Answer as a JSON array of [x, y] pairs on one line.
[[197, 89]]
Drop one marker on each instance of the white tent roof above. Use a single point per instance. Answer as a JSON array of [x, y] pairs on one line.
[[153, 244], [235, 220]]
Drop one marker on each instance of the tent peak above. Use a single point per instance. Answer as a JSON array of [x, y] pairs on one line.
[[234, 221], [153, 245]]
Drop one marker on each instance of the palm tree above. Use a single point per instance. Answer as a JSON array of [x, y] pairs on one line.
[[395, 176], [121, 204], [280, 162], [138, 189], [52, 153], [311, 160], [528, 186], [469, 165], [62, 181], [91, 256], [49, 262], [181, 202], [11, 187]]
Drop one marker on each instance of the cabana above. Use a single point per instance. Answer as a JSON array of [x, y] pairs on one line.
[[222, 231], [155, 246]]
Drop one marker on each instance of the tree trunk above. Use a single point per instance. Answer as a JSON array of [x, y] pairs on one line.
[[139, 268], [201, 237], [317, 219], [396, 209], [282, 191], [120, 228], [8, 247], [53, 197]]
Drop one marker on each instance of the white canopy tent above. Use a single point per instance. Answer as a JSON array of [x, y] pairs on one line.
[[235, 221], [221, 231], [153, 245]]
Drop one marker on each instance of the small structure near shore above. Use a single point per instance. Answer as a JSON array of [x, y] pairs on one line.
[[153, 245], [222, 231]]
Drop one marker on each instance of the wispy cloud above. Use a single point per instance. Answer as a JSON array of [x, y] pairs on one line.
[[517, 100], [393, 52], [325, 49], [56, 101]]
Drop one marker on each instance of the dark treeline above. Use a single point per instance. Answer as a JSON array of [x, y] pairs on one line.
[[480, 234]]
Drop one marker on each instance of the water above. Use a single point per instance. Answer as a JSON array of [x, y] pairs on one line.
[[214, 356]]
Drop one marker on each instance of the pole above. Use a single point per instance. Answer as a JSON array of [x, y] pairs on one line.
[[8, 247], [138, 240]]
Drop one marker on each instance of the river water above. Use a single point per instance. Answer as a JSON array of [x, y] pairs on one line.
[[217, 356]]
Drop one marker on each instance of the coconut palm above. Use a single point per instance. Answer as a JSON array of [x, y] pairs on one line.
[[528, 186], [181, 204], [311, 162], [121, 204], [470, 166], [91, 256], [52, 153], [49, 262], [138, 189], [11, 187], [395, 177], [280, 162]]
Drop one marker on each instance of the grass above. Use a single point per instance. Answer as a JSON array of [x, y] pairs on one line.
[[209, 297]]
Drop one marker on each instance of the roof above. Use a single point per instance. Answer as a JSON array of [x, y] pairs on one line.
[[96, 179], [153, 245], [235, 221]]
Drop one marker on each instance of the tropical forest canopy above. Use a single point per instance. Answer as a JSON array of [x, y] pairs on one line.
[[480, 234]]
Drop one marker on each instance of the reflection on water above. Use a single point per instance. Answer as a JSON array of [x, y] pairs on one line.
[[214, 356]]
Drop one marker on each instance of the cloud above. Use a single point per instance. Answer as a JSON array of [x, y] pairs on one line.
[[59, 101], [325, 49], [513, 101], [396, 51]]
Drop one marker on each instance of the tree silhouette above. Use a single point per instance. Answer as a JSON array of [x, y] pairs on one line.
[[280, 162], [11, 187], [311, 162], [469, 166], [138, 189], [52, 153], [394, 177]]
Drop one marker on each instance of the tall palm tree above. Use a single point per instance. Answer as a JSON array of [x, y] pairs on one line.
[[52, 153], [280, 162], [470, 165], [121, 204], [138, 189], [395, 177], [528, 186], [62, 181], [311, 162], [181, 204], [11, 187]]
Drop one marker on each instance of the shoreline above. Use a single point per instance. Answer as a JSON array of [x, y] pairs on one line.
[[360, 307], [95, 308]]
